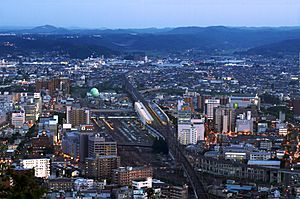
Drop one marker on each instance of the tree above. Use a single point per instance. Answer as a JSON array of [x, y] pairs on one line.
[[25, 185], [150, 193]]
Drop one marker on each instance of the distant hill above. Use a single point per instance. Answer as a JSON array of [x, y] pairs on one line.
[[109, 41], [286, 47], [21, 45]]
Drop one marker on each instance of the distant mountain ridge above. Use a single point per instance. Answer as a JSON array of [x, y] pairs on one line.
[[286, 47], [206, 39]]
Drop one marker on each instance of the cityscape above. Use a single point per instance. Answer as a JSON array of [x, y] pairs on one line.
[[183, 112]]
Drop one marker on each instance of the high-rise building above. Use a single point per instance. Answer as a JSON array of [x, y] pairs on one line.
[[244, 123], [199, 103], [190, 131], [224, 119], [70, 144], [32, 108], [78, 116], [18, 119], [85, 132], [224, 100], [210, 105], [296, 107], [41, 144], [99, 146], [101, 167], [281, 116]]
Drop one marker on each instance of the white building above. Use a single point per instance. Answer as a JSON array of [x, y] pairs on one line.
[[210, 104], [245, 123], [41, 166], [141, 184], [191, 132], [230, 155], [18, 119], [260, 155]]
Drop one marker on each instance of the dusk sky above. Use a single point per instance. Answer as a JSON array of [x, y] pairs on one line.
[[149, 13]]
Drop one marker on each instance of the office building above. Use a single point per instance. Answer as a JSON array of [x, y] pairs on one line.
[[99, 146], [18, 119], [101, 167], [190, 131], [84, 133], [296, 107], [244, 123], [70, 144], [77, 116], [224, 119], [210, 105]]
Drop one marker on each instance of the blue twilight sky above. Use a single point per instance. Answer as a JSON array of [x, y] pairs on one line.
[[149, 13]]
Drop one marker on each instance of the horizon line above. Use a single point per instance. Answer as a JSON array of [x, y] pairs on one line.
[[20, 27]]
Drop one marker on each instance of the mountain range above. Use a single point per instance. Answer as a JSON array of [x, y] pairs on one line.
[[80, 43]]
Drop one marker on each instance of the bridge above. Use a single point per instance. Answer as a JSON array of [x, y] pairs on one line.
[[174, 146]]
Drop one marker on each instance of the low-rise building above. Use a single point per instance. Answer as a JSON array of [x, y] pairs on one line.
[[41, 166], [125, 175]]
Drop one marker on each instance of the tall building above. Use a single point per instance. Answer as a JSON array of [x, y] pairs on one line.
[[85, 132], [41, 166], [296, 107], [70, 144], [244, 123], [210, 105], [99, 146], [124, 176], [224, 119], [190, 101], [50, 124], [41, 144], [18, 119], [190, 131], [32, 108], [78, 116], [281, 116], [224, 100], [101, 167]]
